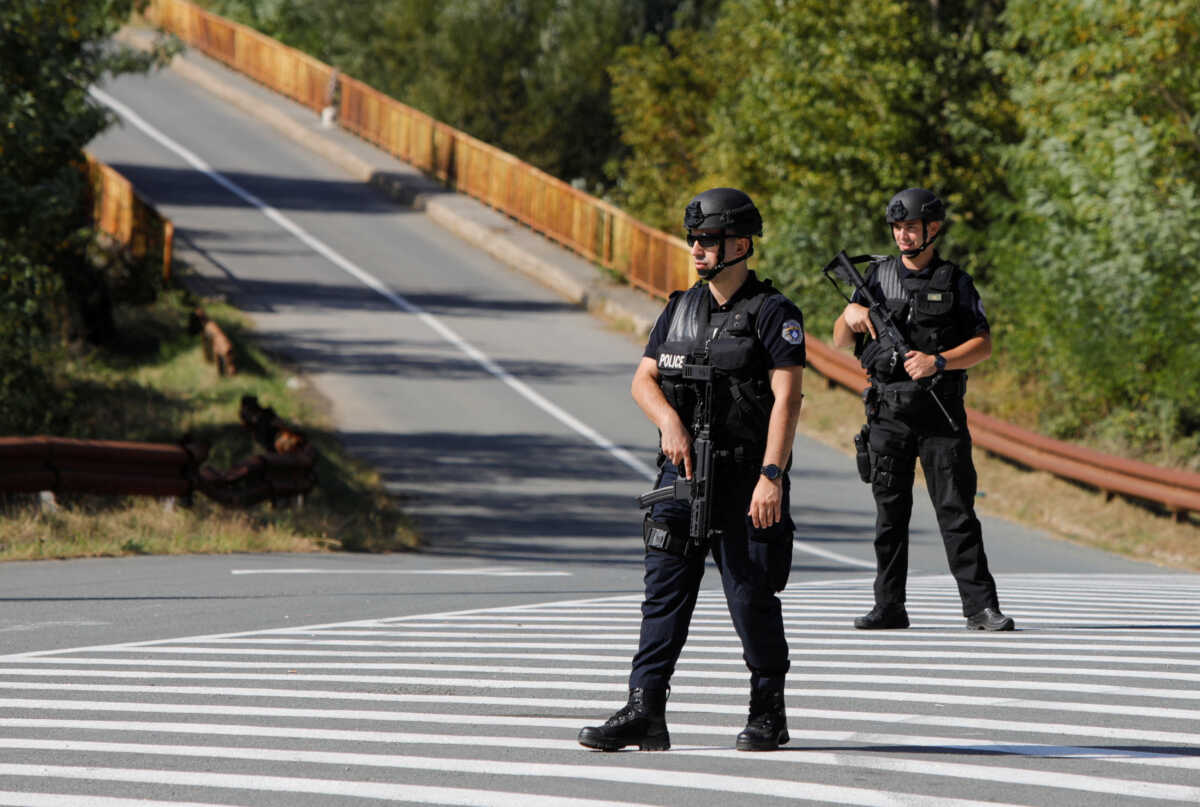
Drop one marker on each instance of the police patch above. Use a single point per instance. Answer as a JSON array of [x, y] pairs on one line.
[[793, 334]]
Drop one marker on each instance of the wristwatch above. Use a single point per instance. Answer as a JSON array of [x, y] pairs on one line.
[[771, 472], [939, 361]]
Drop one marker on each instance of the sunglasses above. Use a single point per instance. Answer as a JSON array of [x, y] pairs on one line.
[[705, 240]]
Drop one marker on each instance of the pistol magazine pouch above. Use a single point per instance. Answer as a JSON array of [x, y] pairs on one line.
[[659, 537]]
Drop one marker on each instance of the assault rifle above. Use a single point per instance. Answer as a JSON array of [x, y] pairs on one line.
[[842, 267], [699, 489]]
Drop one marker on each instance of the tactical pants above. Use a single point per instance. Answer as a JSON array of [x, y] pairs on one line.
[[754, 565], [903, 429]]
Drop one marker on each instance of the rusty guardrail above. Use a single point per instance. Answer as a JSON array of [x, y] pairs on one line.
[[1177, 490], [284, 472], [119, 211], [650, 259], [65, 465]]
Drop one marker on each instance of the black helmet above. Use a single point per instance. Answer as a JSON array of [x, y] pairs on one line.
[[915, 203], [729, 211], [725, 209]]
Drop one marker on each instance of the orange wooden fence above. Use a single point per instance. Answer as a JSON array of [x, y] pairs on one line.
[[285, 70], [119, 211]]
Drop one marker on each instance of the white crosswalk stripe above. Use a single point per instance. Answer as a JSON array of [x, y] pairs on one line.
[[1094, 700]]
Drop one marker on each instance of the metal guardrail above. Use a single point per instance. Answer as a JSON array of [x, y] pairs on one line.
[[115, 468], [650, 259], [1175, 489], [64, 465]]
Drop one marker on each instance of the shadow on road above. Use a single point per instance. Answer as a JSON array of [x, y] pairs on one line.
[[188, 187]]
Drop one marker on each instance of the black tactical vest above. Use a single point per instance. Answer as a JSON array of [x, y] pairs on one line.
[[923, 308], [728, 341]]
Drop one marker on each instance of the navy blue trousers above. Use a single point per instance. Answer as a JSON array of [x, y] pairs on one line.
[[754, 565]]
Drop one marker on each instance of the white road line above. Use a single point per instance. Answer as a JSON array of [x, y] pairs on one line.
[[677, 730], [400, 793], [599, 667], [821, 552], [796, 619], [489, 572], [436, 679], [366, 623], [794, 696], [797, 715], [703, 644], [658, 776], [11, 798], [802, 791], [371, 282]]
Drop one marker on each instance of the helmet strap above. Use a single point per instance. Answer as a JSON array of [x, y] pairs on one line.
[[709, 274], [926, 240]]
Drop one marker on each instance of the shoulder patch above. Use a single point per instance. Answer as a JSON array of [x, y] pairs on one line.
[[793, 334]]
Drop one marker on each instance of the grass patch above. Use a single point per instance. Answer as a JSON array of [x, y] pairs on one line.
[[155, 385], [1036, 499]]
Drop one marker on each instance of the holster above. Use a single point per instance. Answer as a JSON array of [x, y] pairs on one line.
[[862, 452]]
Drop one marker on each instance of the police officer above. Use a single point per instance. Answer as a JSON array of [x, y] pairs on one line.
[[939, 312], [753, 338]]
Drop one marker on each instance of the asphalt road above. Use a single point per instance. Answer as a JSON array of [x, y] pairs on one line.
[[460, 675]]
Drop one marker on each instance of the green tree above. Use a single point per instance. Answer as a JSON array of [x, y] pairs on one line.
[[1098, 257], [821, 113], [51, 52], [849, 105], [658, 95], [380, 42], [479, 63]]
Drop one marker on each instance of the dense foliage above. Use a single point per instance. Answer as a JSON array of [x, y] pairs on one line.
[[51, 291], [1098, 251]]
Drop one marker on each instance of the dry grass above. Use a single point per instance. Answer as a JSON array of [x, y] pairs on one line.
[[155, 389], [1033, 498], [106, 528]]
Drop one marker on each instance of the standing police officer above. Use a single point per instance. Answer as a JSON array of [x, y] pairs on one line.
[[938, 311], [753, 339]]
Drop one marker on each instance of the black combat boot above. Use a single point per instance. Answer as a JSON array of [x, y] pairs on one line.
[[990, 619], [883, 617], [641, 722], [766, 729]]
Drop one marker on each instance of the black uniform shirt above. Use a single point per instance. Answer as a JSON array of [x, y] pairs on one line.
[[969, 305], [779, 324]]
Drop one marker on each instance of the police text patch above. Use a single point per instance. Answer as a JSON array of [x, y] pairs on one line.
[[671, 361]]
